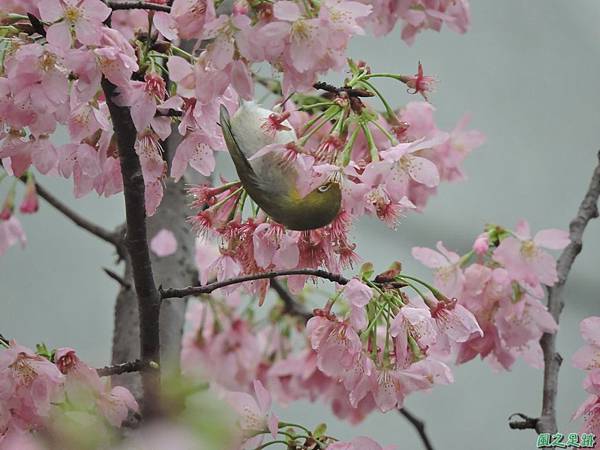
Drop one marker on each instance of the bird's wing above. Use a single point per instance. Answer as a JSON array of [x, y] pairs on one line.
[[244, 169]]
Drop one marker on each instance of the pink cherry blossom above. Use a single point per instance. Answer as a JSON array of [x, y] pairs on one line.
[[194, 150], [451, 154], [115, 405], [36, 79], [275, 248], [31, 384], [416, 324], [446, 264], [588, 357], [190, 16], [254, 414], [220, 347], [163, 243], [524, 258], [420, 83], [357, 293], [18, 439], [359, 443], [75, 370], [305, 35], [590, 411], [83, 384], [115, 56], [83, 17], [481, 244], [29, 205], [454, 322], [336, 344], [11, 233]]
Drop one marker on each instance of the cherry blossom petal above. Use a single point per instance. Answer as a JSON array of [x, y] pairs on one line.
[[552, 238], [286, 10], [429, 257], [163, 243]]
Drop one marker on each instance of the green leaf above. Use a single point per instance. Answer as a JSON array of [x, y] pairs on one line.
[[42, 350], [367, 270], [320, 430]]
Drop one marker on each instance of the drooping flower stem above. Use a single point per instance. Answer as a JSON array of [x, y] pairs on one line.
[[388, 109], [436, 293], [260, 447], [327, 116], [371, 142]]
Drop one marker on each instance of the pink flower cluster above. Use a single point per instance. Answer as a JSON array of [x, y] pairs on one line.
[[501, 282], [37, 95], [385, 169], [54, 79], [419, 15], [381, 347], [33, 388], [588, 358]]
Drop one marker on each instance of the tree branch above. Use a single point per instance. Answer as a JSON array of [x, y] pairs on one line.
[[136, 242], [292, 307], [523, 423], [133, 366], [138, 5], [107, 236], [588, 210], [210, 287], [118, 278], [419, 425]]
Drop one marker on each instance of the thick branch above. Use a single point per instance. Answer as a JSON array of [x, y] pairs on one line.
[[136, 242], [138, 5], [552, 360], [210, 287], [419, 425], [588, 210], [73, 216], [292, 307], [133, 366]]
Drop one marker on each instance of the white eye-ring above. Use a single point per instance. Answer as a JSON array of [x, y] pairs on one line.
[[324, 187]]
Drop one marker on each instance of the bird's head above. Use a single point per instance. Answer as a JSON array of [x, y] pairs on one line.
[[315, 210]]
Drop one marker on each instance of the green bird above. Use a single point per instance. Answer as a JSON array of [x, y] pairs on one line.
[[267, 179]]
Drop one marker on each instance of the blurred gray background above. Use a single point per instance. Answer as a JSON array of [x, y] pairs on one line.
[[527, 72]]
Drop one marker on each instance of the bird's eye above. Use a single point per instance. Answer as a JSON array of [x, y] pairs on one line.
[[324, 188]]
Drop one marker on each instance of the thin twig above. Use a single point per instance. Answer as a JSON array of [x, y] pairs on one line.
[[138, 5], [132, 366], [210, 287], [588, 210], [419, 425], [351, 92], [38, 26], [136, 242], [73, 216], [118, 278], [170, 113], [292, 307], [523, 422]]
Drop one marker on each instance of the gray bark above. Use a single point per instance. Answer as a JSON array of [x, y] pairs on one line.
[[174, 270]]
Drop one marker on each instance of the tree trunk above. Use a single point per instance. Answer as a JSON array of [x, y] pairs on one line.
[[177, 269]]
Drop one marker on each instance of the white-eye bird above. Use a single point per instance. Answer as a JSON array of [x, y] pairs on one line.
[[269, 181]]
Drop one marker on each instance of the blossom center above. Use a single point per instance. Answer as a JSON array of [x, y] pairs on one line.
[[528, 249], [72, 14], [301, 30], [25, 372], [47, 62]]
